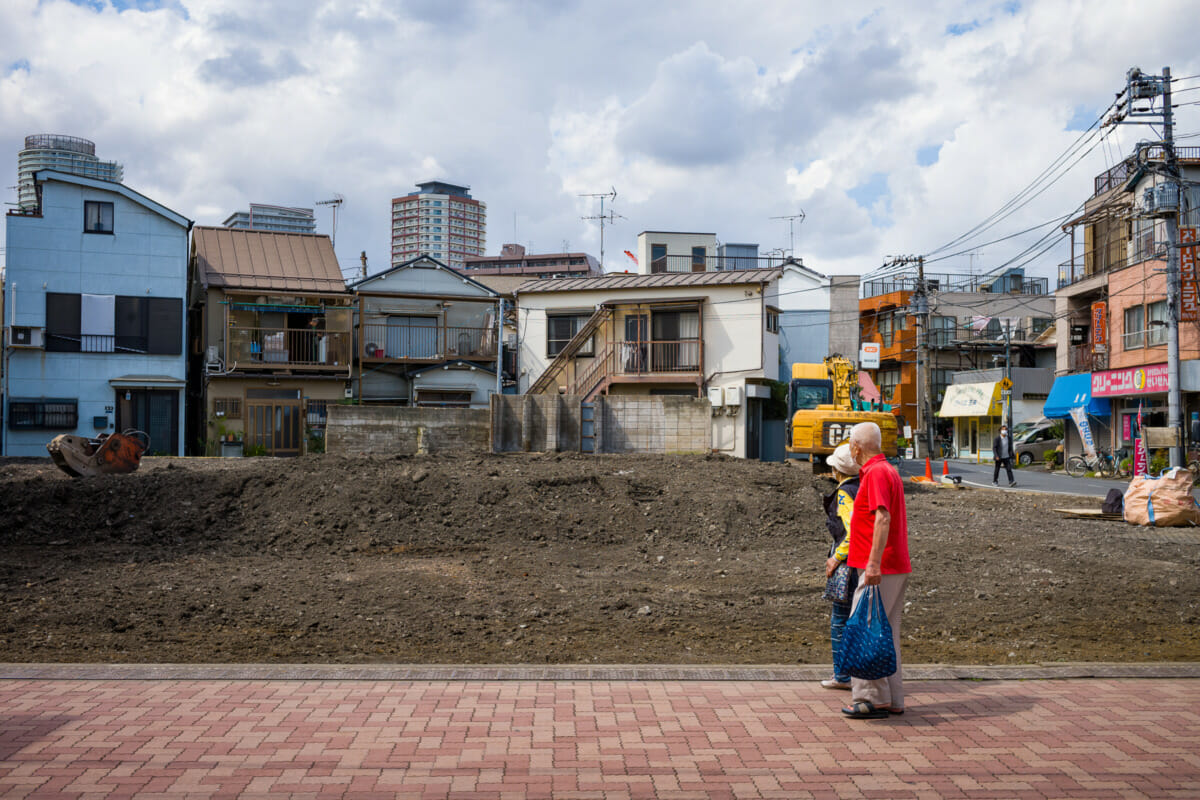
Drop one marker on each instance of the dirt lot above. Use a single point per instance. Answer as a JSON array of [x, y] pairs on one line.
[[549, 559]]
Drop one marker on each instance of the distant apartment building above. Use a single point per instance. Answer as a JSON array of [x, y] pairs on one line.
[[513, 260], [69, 155], [262, 217], [441, 220]]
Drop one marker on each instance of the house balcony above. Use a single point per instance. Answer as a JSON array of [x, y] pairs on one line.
[[1081, 358], [287, 349], [383, 343], [660, 361]]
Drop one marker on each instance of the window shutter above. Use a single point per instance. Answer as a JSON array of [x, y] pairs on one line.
[[131, 324], [62, 322], [166, 326]]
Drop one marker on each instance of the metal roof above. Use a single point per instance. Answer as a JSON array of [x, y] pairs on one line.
[[266, 260], [625, 280]]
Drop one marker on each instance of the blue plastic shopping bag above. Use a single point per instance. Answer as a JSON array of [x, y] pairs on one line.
[[867, 651]]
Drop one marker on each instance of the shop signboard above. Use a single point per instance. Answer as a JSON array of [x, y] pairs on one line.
[[1130, 381], [1099, 326], [868, 355], [1189, 280]]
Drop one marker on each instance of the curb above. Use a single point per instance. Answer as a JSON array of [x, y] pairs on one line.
[[568, 672]]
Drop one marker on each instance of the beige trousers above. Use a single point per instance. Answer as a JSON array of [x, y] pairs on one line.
[[887, 691]]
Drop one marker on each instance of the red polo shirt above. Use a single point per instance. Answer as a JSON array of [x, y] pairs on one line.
[[879, 487]]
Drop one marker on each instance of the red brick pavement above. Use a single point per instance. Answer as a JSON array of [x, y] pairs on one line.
[[1104, 738]]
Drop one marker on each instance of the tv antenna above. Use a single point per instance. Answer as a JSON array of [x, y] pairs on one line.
[[611, 217], [791, 218], [336, 201]]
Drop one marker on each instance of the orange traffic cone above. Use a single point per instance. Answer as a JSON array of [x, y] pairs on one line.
[[945, 468], [928, 470]]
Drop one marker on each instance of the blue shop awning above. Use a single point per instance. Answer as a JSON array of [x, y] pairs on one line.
[[1073, 391]]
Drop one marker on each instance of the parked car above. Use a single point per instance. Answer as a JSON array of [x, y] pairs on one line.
[[1033, 444]]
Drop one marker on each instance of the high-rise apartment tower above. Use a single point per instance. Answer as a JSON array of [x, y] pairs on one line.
[[263, 217], [68, 154], [441, 220]]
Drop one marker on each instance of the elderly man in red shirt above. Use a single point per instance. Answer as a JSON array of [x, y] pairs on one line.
[[879, 551]]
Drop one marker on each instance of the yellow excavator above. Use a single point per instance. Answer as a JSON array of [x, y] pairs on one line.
[[108, 454], [823, 407]]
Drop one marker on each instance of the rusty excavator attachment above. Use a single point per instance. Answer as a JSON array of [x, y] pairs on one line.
[[108, 454]]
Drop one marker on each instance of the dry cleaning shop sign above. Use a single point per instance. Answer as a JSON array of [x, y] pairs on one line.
[[1134, 380]]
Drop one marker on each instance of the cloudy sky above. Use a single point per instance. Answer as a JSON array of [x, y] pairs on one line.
[[894, 127]]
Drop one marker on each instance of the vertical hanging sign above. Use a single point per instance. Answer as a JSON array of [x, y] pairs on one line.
[[1099, 327], [1189, 281]]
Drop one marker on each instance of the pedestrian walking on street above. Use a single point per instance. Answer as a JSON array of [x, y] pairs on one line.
[[839, 506], [1002, 453], [879, 554]]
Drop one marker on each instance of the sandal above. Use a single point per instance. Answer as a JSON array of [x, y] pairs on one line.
[[865, 710]]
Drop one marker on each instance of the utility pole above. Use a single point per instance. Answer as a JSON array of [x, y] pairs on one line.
[[920, 306], [1007, 391], [1139, 86], [610, 218]]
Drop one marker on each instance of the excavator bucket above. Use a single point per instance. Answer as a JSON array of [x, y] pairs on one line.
[[114, 453]]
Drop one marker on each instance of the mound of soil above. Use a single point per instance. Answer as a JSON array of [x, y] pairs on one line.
[[549, 559]]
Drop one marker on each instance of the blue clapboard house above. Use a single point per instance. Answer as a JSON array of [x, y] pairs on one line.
[[94, 336]]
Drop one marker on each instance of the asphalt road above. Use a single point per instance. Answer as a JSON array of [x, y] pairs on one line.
[[1028, 480]]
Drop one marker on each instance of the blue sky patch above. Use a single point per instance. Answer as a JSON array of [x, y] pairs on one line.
[[120, 5], [1082, 118], [1011, 8], [868, 194], [928, 155], [21, 64], [959, 28]]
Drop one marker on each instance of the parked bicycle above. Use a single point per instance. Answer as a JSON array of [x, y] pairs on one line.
[[1103, 464], [945, 447]]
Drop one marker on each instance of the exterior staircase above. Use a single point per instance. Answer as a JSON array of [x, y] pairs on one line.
[[595, 373]]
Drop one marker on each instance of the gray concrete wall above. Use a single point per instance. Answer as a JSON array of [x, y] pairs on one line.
[[623, 424], [843, 316], [653, 424], [405, 431]]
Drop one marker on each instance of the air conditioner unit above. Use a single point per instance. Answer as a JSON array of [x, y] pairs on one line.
[[26, 336]]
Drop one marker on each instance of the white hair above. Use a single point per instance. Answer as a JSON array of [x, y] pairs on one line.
[[867, 436]]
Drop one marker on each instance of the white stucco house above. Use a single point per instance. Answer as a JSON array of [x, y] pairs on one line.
[[701, 334]]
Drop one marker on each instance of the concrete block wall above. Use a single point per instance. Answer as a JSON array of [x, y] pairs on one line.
[[653, 424], [623, 424], [405, 431]]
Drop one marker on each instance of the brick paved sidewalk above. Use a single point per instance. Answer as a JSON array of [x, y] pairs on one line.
[[1097, 738]]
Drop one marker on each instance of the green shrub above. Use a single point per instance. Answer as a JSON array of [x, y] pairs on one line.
[[254, 450], [1159, 461], [1052, 458]]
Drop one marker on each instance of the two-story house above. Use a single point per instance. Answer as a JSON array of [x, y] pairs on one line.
[[427, 336], [94, 316], [713, 334], [271, 327]]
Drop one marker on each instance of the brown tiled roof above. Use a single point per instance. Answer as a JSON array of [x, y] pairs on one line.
[[625, 280], [261, 260]]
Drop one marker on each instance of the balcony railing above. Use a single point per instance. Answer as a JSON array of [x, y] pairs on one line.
[[407, 342], [698, 263], [1118, 174], [287, 348], [1082, 359], [665, 360], [992, 284], [989, 335]]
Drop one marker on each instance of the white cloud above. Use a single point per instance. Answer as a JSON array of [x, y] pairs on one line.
[[704, 116]]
